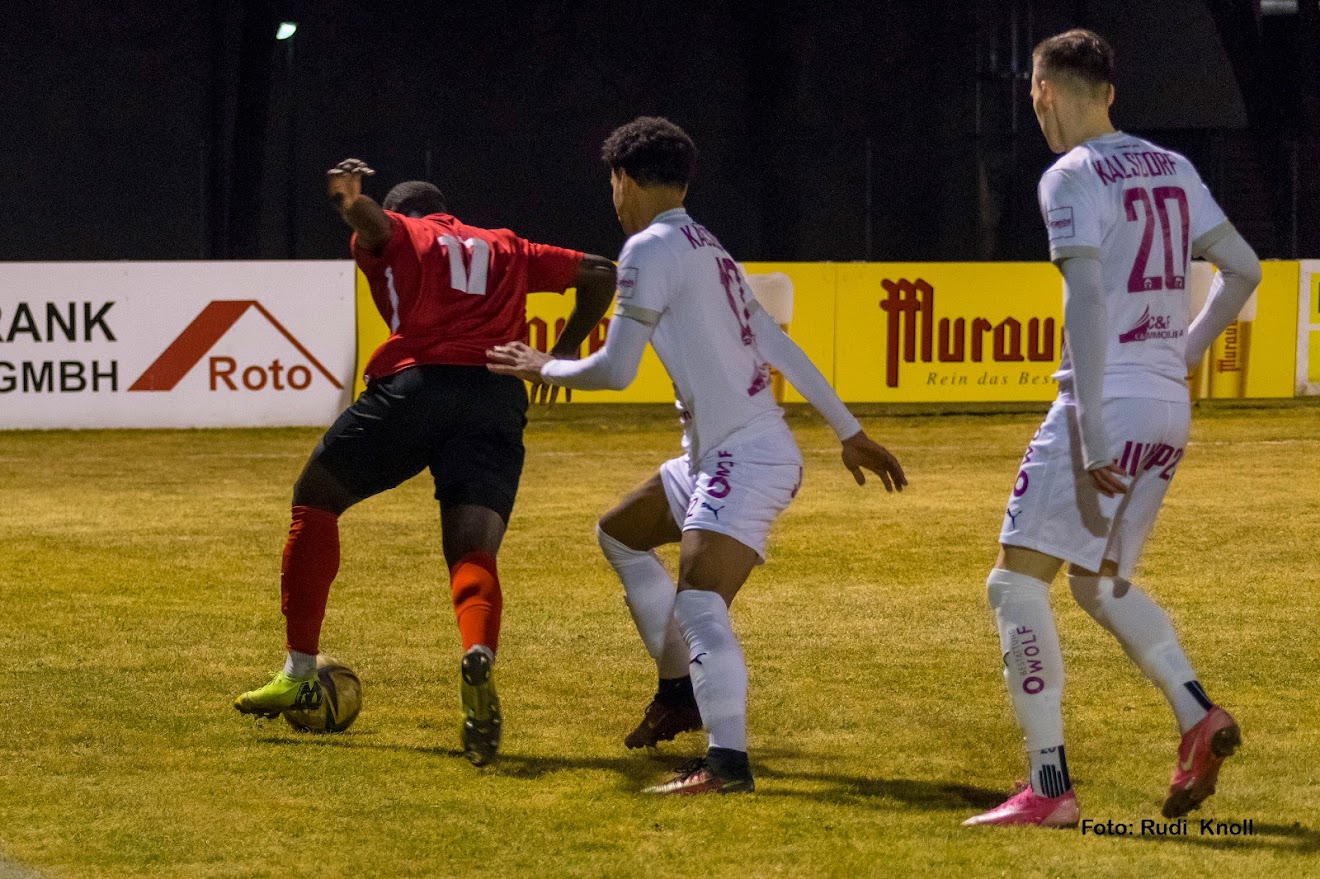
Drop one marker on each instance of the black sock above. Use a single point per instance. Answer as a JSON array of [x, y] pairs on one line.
[[676, 691], [729, 764], [1198, 693], [1052, 779]]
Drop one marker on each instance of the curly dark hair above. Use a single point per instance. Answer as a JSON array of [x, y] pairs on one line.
[[416, 198], [1079, 53], [653, 150]]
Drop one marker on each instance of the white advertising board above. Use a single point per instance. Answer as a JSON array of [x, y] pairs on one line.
[[1308, 329], [175, 344]]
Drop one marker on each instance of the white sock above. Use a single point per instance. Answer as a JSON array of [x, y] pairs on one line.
[[1033, 670], [482, 648], [719, 676], [300, 666], [648, 590], [1147, 636]]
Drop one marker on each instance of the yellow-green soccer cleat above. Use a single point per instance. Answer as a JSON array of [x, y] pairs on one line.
[[281, 694], [481, 709]]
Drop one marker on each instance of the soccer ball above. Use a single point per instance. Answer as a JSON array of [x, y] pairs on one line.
[[341, 700]]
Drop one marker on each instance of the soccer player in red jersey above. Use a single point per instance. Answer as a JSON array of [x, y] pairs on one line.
[[448, 292]]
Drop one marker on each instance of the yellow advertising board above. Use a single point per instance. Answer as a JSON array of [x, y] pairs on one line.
[[947, 332], [1255, 356], [951, 332]]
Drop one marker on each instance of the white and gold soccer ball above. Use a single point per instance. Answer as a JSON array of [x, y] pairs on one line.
[[341, 700]]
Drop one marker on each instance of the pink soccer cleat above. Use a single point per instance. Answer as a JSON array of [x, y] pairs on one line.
[[1200, 755], [698, 777], [1028, 807]]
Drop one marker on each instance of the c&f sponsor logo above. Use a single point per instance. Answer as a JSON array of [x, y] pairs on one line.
[[1148, 326], [1178, 827]]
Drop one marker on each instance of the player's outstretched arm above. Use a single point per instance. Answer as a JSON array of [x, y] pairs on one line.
[[595, 291], [611, 368], [1239, 275], [860, 452], [343, 185]]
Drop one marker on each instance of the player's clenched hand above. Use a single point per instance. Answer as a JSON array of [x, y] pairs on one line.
[[343, 182], [519, 359], [1109, 480], [860, 451]]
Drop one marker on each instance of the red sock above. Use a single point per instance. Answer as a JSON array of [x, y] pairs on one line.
[[475, 585], [311, 560]]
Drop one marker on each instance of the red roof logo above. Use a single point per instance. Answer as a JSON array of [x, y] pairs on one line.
[[198, 338]]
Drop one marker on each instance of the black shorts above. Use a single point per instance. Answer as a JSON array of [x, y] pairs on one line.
[[463, 422]]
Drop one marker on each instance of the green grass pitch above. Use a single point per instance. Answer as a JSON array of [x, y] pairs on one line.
[[139, 590]]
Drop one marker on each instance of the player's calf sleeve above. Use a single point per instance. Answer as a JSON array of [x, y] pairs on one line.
[[309, 566], [1033, 670], [719, 675], [648, 590], [1146, 634], [474, 584]]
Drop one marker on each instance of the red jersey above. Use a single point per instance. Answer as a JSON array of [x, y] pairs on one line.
[[449, 291]]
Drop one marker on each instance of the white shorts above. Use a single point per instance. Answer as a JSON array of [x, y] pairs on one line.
[[1053, 507], [737, 490]]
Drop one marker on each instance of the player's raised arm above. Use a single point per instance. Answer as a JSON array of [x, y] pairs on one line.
[[1239, 274], [595, 291], [859, 451], [344, 187]]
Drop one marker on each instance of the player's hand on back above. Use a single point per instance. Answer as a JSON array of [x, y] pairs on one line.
[[343, 182], [861, 452], [517, 359], [1109, 480]]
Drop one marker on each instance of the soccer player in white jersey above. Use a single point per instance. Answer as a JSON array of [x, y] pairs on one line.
[[680, 290], [1124, 218]]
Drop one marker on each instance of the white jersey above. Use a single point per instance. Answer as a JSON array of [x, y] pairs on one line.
[[677, 277], [1144, 213]]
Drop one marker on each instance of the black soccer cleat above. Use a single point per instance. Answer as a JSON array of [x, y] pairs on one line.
[[481, 709], [662, 722]]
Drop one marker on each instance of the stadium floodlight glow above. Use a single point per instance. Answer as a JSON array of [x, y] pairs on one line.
[[287, 30]]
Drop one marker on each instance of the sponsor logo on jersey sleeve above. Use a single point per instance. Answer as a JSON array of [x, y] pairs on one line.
[[627, 282], [1060, 223]]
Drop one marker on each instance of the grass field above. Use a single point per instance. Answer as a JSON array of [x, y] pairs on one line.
[[139, 579]]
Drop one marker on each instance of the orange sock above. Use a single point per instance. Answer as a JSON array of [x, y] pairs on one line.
[[475, 585], [311, 560]]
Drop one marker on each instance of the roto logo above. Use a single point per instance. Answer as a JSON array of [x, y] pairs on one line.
[[225, 372]]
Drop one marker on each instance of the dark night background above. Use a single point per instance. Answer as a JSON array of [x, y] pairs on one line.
[[828, 131]]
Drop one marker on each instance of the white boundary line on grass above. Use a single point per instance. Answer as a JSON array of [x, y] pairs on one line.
[[14, 870]]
